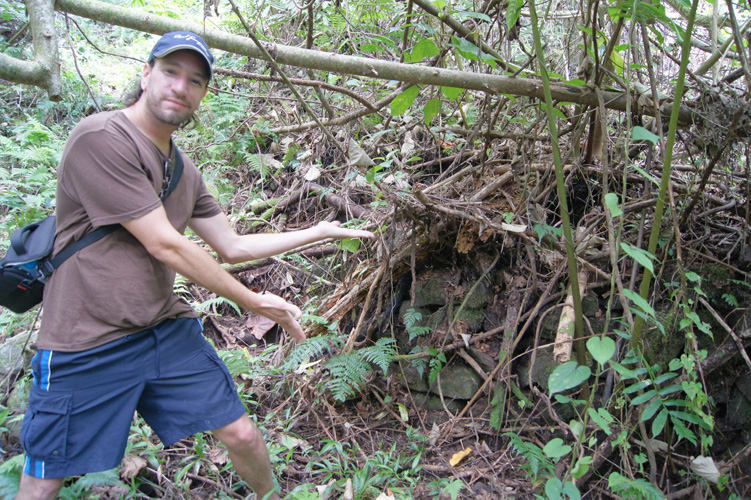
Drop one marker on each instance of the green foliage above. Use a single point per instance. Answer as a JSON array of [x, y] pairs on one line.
[[567, 376], [537, 461], [347, 374], [411, 319], [637, 489], [309, 349], [379, 354], [403, 101], [27, 163], [10, 475]]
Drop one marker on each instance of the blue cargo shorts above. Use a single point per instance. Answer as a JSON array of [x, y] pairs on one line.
[[82, 404]]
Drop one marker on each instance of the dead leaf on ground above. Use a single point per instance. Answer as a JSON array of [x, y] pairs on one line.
[[458, 457], [259, 325], [132, 465], [218, 456]]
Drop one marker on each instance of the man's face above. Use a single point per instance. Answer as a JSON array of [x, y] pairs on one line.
[[174, 86]]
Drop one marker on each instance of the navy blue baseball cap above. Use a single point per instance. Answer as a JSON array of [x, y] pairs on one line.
[[181, 40]]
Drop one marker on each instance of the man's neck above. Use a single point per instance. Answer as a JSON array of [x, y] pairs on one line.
[[159, 132]]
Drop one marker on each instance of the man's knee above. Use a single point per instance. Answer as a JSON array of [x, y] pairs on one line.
[[240, 433], [32, 488]]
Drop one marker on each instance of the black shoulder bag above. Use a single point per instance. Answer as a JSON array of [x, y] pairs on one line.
[[29, 263]]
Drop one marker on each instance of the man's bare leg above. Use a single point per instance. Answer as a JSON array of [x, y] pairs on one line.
[[249, 455], [32, 488]]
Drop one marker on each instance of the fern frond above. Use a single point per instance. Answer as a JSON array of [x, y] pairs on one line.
[[309, 349], [347, 375], [94, 479], [379, 354]]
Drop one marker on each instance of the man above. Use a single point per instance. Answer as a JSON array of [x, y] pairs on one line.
[[114, 337]]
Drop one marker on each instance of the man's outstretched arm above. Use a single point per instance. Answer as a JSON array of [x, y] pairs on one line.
[[234, 248], [163, 242]]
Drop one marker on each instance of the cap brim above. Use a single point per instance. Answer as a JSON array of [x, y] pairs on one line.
[[170, 50]]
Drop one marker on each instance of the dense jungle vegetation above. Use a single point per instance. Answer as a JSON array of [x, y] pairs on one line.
[[556, 303]]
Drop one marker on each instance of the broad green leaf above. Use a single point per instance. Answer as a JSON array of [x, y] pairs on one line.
[[577, 82], [659, 422], [640, 255], [643, 398], [690, 417], [554, 488], [602, 418], [645, 174], [424, 48], [577, 427], [664, 377], [650, 410], [451, 93], [624, 372], [351, 245], [602, 349], [642, 384], [613, 204], [513, 11], [642, 134], [556, 449], [639, 302], [475, 15], [431, 110], [581, 467], [571, 491], [670, 390], [617, 62], [567, 376], [403, 101]]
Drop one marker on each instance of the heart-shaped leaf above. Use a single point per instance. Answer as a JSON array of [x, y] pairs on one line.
[[602, 349], [567, 376]]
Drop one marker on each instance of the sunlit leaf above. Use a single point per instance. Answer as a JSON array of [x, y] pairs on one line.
[[403, 101], [642, 134], [567, 376]]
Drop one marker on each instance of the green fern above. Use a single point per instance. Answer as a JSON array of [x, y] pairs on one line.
[[96, 479], [309, 349], [379, 354], [236, 361], [348, 372], [436, 365], [411, 317], [347, 375], [10, 474], [204, 306]]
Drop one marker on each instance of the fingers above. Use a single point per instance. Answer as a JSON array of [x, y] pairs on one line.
[[283, 313]]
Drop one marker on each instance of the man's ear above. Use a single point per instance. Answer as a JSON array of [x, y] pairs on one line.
[[145, 75]]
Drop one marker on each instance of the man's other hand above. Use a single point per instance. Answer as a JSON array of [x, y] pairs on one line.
[[281, 312]]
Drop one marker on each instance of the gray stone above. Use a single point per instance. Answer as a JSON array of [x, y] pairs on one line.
[[433, 403], [457, 380], [13, 358]]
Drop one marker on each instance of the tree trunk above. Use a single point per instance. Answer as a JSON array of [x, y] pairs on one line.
[[44, 70]]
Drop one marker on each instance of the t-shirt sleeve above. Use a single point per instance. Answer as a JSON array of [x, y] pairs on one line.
[[102, 171]]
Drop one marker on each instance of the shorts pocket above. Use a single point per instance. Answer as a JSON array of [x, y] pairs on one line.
[[214, 356], [44, 432]]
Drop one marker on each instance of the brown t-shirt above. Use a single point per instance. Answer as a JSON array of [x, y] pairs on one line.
[[110, 173]]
